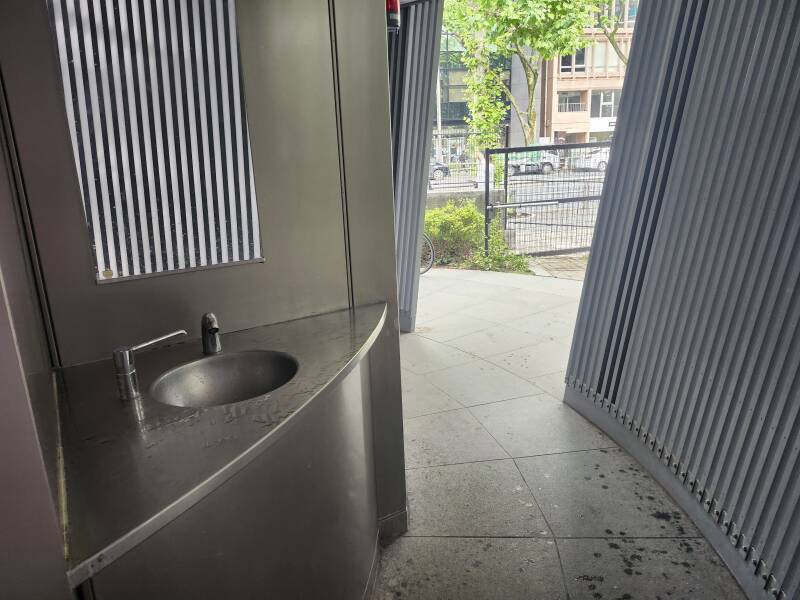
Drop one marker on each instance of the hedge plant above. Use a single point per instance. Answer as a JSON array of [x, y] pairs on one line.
[[456, 230]]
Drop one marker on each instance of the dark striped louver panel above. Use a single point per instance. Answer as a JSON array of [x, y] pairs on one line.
[[687, 347], [413, 62], [154, 100]]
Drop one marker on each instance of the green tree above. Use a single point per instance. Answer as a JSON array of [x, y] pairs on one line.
[[531, 30], [611, 19]]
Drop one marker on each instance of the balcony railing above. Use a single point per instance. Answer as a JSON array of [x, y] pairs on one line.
[[568, 107]]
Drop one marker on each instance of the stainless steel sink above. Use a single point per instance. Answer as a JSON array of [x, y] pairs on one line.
[[224, 378]]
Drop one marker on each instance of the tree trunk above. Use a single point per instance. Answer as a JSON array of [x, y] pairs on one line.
[[611, 36], [527, 117]]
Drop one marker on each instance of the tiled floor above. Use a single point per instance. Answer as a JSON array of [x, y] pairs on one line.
[[567, 266], [511, 493]]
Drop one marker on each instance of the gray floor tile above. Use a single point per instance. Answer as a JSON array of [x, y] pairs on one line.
[[553, 384], [478, 290], [539, 425], [421, 355], [452, 326], [470, 569], [533, 361], [501, 311], [430, 285], [549, 324], [497, 340], [420, 397], [450, 273], [602, 493], [448, 438], [442, 303], [552, 285], [473, 500], [509, 307], [479, 382], [668, 569]]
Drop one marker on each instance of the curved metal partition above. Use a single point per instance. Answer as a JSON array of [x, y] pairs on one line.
[[686, 348], [297, 522]]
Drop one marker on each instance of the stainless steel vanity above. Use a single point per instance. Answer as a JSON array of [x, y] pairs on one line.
[[135, 199], [270, 497]]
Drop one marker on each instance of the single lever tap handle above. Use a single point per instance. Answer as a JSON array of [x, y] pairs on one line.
[[125, 369], [175, 333]]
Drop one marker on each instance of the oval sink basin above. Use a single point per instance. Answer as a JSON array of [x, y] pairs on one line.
[[224, 378]]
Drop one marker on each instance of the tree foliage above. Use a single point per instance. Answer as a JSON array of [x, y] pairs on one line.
[[611, 21], [531, 30]]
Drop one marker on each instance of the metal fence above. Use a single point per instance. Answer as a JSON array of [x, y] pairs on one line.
[[543, 199], [455, 164]]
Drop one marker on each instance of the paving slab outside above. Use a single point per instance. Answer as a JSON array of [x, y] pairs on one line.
[[511, 493]]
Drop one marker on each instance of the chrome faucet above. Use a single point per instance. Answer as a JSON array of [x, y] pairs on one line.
[[210, 332], [125, 368]]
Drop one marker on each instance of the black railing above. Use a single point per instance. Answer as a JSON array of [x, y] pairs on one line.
[[545, 197]]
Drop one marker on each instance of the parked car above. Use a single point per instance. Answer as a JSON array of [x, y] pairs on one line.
[[535, 161], [595, 159], [437, 170]]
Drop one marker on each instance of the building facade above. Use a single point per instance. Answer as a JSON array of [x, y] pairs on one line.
[[450, 129], [580, 92], [577, 96]]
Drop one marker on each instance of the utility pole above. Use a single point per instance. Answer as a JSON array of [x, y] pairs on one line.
[[438, 113]]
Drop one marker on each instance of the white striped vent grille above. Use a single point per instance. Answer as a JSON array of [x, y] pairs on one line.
[[155, 105]]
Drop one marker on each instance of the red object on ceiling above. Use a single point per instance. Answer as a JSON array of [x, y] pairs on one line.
[[393, 15]]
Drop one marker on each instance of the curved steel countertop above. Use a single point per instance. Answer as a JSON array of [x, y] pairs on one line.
[[131, 468]]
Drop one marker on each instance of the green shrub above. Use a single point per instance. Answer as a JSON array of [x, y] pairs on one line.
[[456, 230], [500, 258]]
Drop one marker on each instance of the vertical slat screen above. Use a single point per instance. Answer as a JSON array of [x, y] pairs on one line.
[[153, 95], [415, 58], [687, 343]]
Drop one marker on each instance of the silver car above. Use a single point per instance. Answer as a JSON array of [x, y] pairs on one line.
[[595, 159], [534, 161]]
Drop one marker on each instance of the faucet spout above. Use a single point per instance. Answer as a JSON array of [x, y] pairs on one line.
[[209, 327], [125, 367]]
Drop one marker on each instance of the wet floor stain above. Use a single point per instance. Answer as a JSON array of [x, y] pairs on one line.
[[645, 568]]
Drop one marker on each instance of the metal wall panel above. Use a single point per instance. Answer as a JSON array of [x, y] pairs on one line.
[[687, 331], [415, 58], [360, 35], [153, 97]]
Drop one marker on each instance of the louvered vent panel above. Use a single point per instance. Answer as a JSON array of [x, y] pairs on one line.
[[415, 57], [688, 327]]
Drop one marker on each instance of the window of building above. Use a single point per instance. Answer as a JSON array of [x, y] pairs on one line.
[[580, 60], [621, 11], [570, 102], [576, 61], [605, 103], [612, 60], [633, 9], [599, 56], [457, 93], [452, 71]]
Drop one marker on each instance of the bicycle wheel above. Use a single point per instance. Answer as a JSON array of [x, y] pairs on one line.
[[427, 254]]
